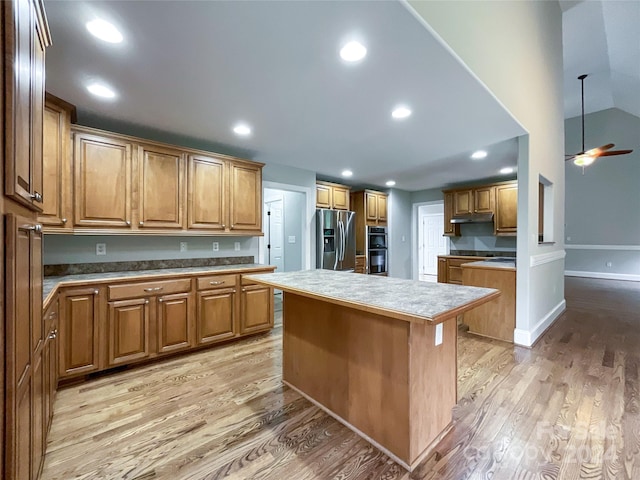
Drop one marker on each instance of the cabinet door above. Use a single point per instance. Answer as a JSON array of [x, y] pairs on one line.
[[162, 188], [37, 414], [50, 365], [102, 187], [19, 454], [206, 192], [323, 196], [79, 334], [23, 99], [484, 199], [214, 316], [506, 218], [382, 209], [256, 310], [128, 330], [245, 190], [442, 270], [174, 322], [56, 168], [450, 229], [463, 202], [371, 207], [340, 198]]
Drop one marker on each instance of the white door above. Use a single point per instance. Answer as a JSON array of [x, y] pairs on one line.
[[432, 243], [274, 234]]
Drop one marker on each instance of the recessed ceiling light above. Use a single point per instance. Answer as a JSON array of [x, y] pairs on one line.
[[400, 112], [104, 31], [390, 183], [100, 90], [353, 51], [347, 173], [479, 155], [506, 170], [242, 129]]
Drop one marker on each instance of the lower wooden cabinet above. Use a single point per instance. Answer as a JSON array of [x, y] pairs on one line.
[[115, 324], [450, 270], [256, 308], [50, 357], [80, 311], [215, 318], [174, 320], [128, 331]]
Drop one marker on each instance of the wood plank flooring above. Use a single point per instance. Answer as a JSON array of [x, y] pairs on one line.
[[568, 408]]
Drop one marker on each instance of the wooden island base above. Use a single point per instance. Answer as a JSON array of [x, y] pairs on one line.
[[383, 378]]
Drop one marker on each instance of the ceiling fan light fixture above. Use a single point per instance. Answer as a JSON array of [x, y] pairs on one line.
[[584, 160]]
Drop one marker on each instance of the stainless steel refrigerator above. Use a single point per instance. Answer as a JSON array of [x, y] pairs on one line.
[[336, 244]]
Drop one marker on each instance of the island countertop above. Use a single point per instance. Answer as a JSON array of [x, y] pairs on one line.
[[398, 298]]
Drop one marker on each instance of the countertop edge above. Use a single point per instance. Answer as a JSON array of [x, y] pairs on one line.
[[488, 267], [70, 283], [407, 317]]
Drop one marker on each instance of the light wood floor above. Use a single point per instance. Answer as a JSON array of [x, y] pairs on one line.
[[567, 408]]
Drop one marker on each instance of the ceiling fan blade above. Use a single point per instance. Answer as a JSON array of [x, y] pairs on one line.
[[598, 150], [569, 157], [615, 152]]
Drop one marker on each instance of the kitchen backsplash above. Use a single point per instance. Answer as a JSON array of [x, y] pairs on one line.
[[73, 249], [479, 236]]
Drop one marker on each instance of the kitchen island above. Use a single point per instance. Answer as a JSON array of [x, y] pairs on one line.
[[376, 353]]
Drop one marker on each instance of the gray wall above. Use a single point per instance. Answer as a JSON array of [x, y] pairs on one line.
[[399, 233], [59, 249], [602, 207], [479, 236], [424, 196], [294, 209]]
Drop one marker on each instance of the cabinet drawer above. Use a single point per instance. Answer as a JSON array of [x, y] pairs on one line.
[[216, 281], [146, 289], [455, 275]]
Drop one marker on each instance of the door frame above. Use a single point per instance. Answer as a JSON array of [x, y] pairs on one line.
[[308, 222], [415, 222], [267, 226]]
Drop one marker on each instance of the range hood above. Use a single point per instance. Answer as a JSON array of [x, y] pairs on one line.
[[473, 218]]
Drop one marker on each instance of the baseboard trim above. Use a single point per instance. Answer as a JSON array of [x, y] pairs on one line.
[[526, 338], [602, 247], [607, 276]]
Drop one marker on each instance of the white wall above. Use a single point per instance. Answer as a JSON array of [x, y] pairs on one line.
[[602, 207], [399, 212], [515, 50]]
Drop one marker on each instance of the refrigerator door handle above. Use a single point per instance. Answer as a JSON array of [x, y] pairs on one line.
[[341, 243]]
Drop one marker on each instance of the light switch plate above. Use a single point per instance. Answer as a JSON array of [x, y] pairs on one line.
[[236, 246], [438, 334], [101, 248], [292, 239]]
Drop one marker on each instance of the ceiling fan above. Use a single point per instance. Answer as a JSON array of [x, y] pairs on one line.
[[586, 158]]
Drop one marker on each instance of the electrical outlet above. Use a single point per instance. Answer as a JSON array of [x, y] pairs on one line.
[[292, 239], [183, 246], [609, 264], [568, 239], [236, 246], [101, 248], [216, 246]]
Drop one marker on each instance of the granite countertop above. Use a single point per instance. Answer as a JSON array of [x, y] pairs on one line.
[[50, 284], [398, 298], [504, 264]]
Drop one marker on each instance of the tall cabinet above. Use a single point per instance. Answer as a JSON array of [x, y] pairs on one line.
[[24, 370]]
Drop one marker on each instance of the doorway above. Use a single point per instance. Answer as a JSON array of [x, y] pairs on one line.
[[431, 241], [283, 227]]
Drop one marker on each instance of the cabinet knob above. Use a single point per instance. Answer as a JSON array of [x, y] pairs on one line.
[[232, 225], [141, 223], [128, 222], [244, 289], [160, 300], [64, 220], [217, 283], [53, 315], [53, 334], [96, 292], [36, 196], [146, 302]]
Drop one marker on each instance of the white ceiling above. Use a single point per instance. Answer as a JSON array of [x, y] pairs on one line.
[[196, 68]]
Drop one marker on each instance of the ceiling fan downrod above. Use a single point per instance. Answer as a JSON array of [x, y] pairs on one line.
[[581, 78]]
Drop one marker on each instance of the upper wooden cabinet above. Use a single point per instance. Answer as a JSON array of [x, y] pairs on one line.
[[370, 205], [26, 36], [332, 196], [245, 198], [56, 165], [102, 186], [450, 229], [127, 185], [474, 200], [206, 193], [506, 218], [161, 187]]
